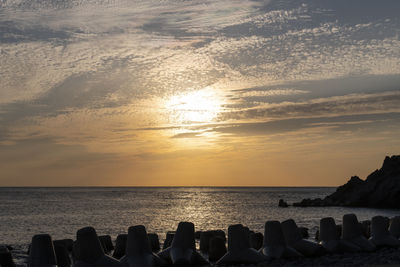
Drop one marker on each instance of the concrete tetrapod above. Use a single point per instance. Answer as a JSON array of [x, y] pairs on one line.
[[42, 252], [351, 231], [256, 240], [239, 250], [106, 243], [120, 246], [62, 254], [294, 239], [394, 227], [168, 239], [330, 238], [154, 242], [182, 251], [89, 251], [217, 248], [274, 245], [6, 259], [138, 249], [206, 236], [380, 235]]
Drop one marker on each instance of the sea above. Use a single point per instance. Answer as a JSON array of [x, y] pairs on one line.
[[60, 212]]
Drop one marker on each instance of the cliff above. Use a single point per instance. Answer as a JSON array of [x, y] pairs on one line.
[[381, 189]]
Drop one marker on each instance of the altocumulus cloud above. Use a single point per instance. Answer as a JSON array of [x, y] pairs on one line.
[[272, 60]]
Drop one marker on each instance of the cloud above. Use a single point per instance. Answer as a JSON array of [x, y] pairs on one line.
[[187, 135], [189, 45], [10, 32], [65, 61], [333, 106], [369, 124], [336, 123], [269, 93]]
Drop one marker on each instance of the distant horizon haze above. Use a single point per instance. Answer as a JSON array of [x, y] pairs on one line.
[[111, 185]]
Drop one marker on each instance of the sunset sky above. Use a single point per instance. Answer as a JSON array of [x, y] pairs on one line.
[[197, 92]]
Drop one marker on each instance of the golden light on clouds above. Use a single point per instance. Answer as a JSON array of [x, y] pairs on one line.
[[201, 106], [227, 92]]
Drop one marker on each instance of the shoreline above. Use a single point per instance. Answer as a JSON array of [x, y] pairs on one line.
[[383, 255]]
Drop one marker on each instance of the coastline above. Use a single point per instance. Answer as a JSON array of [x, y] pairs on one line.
[[383, 255]]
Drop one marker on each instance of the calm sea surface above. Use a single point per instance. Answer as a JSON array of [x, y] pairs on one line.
[[62, 211]]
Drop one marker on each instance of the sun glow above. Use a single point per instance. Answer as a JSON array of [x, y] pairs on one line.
[[200, 106]]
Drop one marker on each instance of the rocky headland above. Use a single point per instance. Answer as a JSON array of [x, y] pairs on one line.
[[381, 189]]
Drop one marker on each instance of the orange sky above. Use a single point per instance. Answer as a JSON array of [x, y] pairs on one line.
[[183, 93]]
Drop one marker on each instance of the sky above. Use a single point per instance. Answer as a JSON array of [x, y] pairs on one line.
[[197, 92]]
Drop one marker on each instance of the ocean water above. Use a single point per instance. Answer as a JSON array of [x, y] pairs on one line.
[[62, 211]]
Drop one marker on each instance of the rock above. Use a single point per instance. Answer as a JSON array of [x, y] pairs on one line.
[[282, 203], [381, 189], [346, 195], [307, 202]]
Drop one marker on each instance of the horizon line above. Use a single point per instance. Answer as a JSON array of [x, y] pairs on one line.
[[168, 186]]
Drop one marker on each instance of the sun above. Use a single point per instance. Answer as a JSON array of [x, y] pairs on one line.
[[201, 106]]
